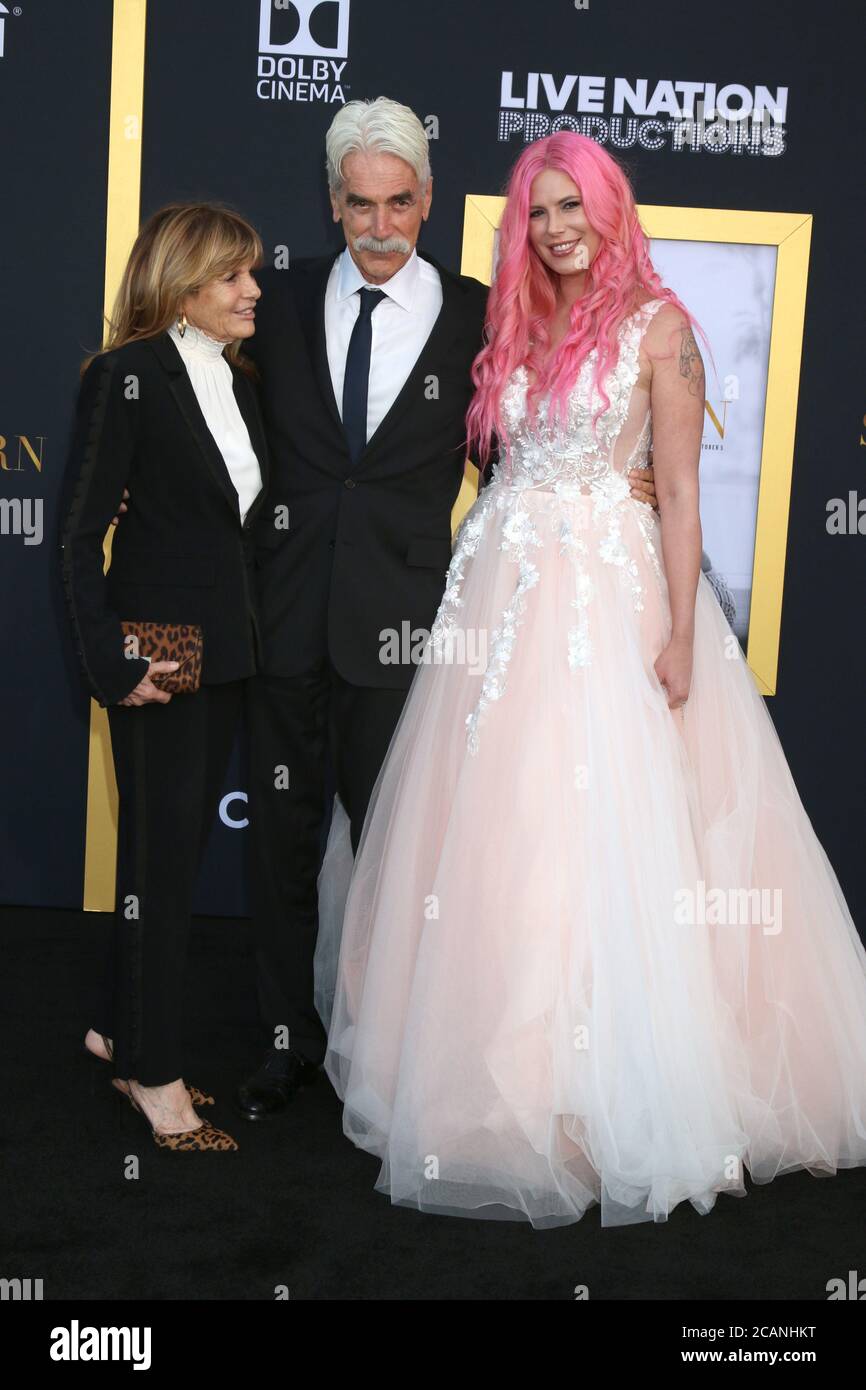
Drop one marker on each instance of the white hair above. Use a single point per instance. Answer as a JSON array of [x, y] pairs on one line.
[[380, 127]]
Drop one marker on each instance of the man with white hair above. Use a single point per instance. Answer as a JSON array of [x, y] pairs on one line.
[[365, 359]]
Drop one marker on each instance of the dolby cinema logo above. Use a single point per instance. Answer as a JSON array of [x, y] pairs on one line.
[[303, 46]]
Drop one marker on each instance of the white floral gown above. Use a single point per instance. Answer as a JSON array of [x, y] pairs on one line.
[[592, 949]]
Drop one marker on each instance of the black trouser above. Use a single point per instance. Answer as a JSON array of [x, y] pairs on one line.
[[169, 761], [294, 722]]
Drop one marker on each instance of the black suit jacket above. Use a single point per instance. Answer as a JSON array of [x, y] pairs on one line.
[[179, 554], [366, 548]]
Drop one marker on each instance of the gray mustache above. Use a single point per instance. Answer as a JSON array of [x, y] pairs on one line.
[[391, 243]]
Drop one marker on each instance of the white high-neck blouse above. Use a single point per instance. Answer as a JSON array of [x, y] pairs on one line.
[[211, 378]]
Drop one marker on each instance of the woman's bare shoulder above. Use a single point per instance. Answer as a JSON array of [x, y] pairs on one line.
[[666, 327]]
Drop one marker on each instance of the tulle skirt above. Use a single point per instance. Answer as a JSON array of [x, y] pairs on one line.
[[592, 950]]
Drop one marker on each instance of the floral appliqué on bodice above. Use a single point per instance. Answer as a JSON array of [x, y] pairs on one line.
[[569, 460]]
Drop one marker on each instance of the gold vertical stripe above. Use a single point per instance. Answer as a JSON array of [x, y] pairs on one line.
[[122, 219]]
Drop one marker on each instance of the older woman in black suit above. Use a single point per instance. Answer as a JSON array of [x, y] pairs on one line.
[[169, 411]]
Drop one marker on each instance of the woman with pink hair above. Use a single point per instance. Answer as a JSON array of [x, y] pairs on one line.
[[592, 949]]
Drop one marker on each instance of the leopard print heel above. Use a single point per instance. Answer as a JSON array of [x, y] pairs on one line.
[[199, 1097], [206, 1138]]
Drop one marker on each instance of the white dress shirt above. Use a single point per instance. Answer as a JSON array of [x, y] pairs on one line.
[[401, 325], [211, 378]]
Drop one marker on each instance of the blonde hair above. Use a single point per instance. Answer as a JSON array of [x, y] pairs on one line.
[[179, 250]]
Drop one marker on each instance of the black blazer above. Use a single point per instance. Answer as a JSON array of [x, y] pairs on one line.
[[365, 548], [179, 554]]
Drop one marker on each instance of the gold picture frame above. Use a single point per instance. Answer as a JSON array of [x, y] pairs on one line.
[[790, 233]]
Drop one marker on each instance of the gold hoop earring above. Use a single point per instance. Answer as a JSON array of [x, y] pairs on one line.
[[182, 324]]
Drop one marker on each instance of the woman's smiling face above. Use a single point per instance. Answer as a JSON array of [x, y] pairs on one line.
[[558, 227], [225, 307]]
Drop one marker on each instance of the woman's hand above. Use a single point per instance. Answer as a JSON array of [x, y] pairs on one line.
[[146, 693], [674, 670]]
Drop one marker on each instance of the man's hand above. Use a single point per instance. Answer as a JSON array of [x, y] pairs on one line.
[[114, 520], [642, 485], [146, 693]]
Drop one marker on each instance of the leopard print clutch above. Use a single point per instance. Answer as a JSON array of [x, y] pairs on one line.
[[183, 642]]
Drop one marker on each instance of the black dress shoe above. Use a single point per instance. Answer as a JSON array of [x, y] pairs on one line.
[[270, 1089]]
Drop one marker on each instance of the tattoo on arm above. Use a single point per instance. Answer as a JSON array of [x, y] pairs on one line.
[[691, 366]]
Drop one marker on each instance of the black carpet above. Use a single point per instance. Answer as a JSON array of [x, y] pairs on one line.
[[295, 1207]]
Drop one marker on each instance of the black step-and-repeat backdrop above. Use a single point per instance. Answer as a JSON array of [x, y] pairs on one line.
[[237, 97]]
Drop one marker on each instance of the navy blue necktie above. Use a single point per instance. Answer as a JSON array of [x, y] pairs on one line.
[[357, 378]]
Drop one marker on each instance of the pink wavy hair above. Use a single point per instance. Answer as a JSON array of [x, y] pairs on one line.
[[523, 294]]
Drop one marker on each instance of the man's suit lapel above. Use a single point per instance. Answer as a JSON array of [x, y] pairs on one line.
[[443, 335], [310, 298]]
